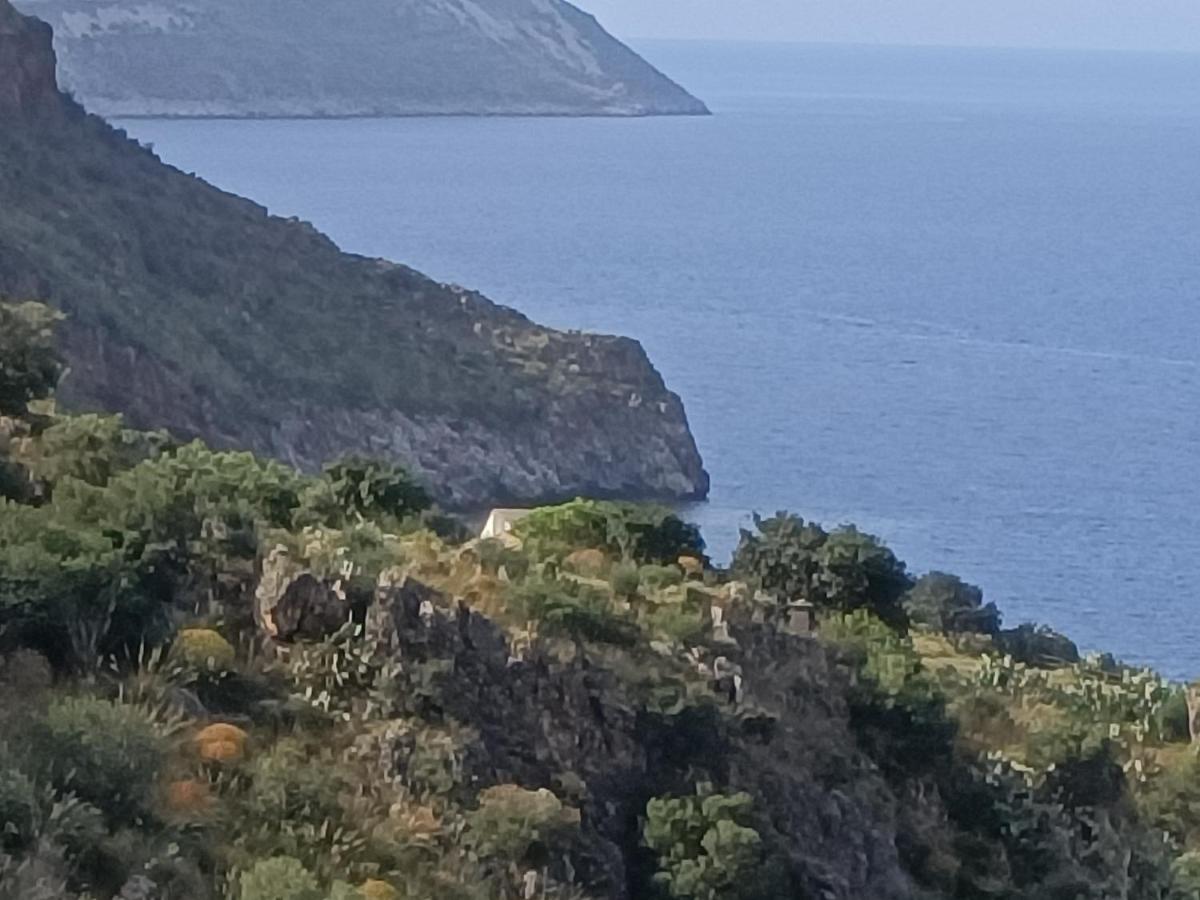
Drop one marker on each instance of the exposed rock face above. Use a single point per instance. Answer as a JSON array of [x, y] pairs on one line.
[[367, 58], [27, 85], [291, 603], [195, 310], [822, 804]]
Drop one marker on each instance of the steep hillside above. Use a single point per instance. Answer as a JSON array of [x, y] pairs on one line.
[[367, 58], [195, 310], [223, 680]]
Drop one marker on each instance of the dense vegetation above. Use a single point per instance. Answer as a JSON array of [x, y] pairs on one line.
[[225, 679]]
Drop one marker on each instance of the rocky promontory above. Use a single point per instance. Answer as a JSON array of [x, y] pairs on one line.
[[302, 58], [27, 89], [197, 311]]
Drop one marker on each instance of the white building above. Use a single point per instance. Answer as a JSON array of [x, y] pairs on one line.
[[501, 522]]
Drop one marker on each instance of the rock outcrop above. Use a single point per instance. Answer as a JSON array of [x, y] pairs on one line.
[[194, 310], [27, 84], [823, 806], [367, 58]]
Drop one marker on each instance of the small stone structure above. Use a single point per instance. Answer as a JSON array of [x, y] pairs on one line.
[[801, 618], [501, 522]]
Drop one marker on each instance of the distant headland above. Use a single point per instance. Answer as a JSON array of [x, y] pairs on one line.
[[306, 58]]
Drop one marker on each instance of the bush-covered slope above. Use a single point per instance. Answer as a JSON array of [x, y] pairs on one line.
[[366, 58], [223, 679], [191, 309]]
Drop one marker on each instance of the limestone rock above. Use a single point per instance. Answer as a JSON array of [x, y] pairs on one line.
[[292, 603]]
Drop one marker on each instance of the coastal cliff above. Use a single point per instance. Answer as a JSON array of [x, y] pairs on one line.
[[196, 311], [302, 58], [28, 88]]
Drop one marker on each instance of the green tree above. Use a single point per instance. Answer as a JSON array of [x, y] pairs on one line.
[[63, 584], [643, 532], [104, 753], [845, 570], [367, 488], [30, 364], [91, 448], [705, 848], [100, 565], [512, 822]]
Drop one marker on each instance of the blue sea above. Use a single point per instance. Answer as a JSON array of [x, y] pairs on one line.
[[952, 296]]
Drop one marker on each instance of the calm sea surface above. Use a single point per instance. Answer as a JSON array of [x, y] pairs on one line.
[[951, 296]]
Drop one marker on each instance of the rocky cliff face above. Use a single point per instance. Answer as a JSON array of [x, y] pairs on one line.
[[28, 88], [824, 810], [367, 58], [195, 310]]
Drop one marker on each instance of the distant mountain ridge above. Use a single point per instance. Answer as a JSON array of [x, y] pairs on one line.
[[301, 58], [195, 310]]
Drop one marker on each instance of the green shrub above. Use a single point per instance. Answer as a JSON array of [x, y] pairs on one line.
[[98, 566], [886, 658], [678, 623], [626, 579], [30, 364], [491, 555], [516, 564], [659, 577], [293, 806], [287, 785], [789, 559], [73, 824], [106, 753], [645, 533], [366, 488], [1185, 877], [511, 821], [494, 555], [705, 848], [203, 650], [194, 494], [281, 878], [1175, 718], [90, 448], [1171, 801], [430, 761], [18, 809], [70, 583], [16, 483], [575, 610]]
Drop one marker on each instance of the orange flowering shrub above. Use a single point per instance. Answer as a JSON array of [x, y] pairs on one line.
[[189, 797], [221, 743]]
